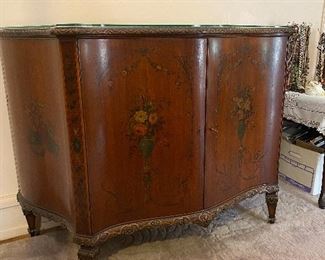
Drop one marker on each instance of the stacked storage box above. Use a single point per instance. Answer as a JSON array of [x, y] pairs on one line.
[[302, 157]]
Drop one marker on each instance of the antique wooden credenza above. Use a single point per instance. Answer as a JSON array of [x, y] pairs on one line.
[[123, 128]]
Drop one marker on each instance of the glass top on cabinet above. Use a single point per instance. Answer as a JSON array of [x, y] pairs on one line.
[[81, 25], [136, 29]]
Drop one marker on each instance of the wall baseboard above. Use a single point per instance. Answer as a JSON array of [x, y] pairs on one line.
[[12, 220], [8, 201]]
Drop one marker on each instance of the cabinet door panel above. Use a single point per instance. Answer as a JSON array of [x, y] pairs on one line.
[[144, 115], [244, 99]]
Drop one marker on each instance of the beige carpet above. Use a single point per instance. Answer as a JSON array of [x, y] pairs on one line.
[[239, 233]]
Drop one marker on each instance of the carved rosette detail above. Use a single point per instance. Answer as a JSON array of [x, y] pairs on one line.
[[202, 218]]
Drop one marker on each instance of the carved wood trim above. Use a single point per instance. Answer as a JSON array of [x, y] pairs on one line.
[[37, 211], [203, 218], [143, 30], [28, 32], [166, 30]]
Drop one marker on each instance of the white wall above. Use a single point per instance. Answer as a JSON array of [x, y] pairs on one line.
[[28, 12]]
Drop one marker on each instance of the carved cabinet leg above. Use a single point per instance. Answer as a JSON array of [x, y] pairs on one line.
[[321, 201], [271, 201], [34, 223], [87, 252]]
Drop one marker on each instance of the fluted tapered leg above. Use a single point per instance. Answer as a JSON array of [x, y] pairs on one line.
[[271, 201], [321, 201], [34, 223]]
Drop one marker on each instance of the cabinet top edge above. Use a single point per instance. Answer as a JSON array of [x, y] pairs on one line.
[[94, 30]]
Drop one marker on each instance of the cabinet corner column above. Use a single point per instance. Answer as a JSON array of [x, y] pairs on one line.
[[75, 125]]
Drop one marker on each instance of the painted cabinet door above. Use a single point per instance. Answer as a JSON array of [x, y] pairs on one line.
[[244, 103], [143, 101]]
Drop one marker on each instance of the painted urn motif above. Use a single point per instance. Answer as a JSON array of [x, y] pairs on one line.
[[242, 111], [41, 135]]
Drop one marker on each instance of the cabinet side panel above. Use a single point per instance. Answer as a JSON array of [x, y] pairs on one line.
[[34, 86], [244, 113], [144, 126]]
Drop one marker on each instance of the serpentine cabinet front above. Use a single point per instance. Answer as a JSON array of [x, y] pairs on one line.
[[118, 130]]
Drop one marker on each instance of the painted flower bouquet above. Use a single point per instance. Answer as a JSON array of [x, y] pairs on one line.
[[143, 125]]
